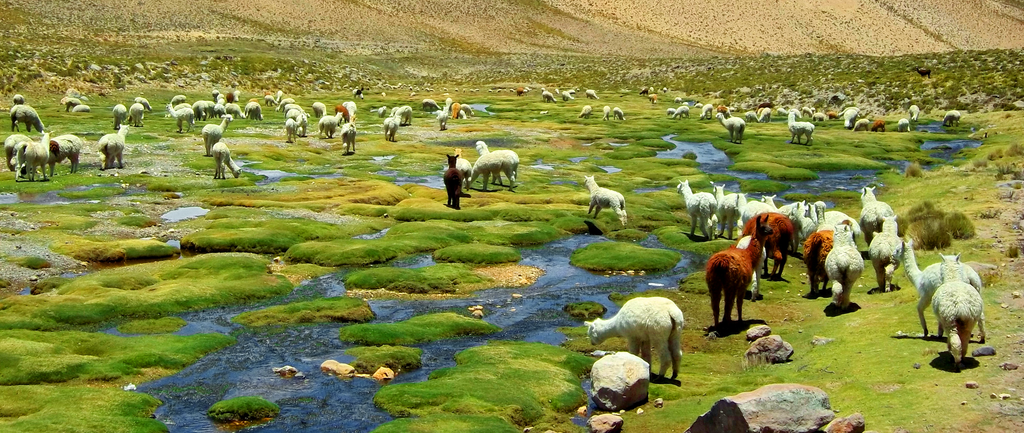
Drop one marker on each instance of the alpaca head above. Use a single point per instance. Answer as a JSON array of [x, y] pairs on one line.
[[763, 228], [593, 331], [589, 180], [950, 268], [54, 147], [889, 225], [684, 185], [867, 192], [480, 146], [452, 159]]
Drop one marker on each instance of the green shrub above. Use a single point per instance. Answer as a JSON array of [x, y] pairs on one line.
[[242, 409], [30, 262], [914, 170], [440, 278], [959, 225], [163, 325]]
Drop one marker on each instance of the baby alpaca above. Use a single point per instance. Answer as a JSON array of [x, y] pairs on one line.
[[886, 252], [617, 113], [291, 129], [645, 323], [222, 158], [959, 308], [607, 110], [727, 211], [604, 198]]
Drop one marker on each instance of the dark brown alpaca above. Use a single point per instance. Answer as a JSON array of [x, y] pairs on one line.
[[453, 182], [764, 105], [730, 271], [925, 72]]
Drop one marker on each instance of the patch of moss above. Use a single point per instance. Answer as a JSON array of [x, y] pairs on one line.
[[270, 236], [45, 408], [31, 262], [676, 237], [359, 252], [448, 423], [754, 185], [588, 310], [419, 329], [440, 278], [547, 386], [140, 221], [114, 251], [243, 409], [477, 254], [339, 309], [627, 235], [93, 193], [398, 358], [620, 256], [163, 325], [776, 171]]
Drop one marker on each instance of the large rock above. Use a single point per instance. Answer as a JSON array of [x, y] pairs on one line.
[[607, 423], [778, 408], [851, 424], [770, 349], [758, 332], [619, 381]]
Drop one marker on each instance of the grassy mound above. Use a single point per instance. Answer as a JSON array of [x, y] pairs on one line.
[[546, 385], [448, 423], [339, 309], [677, 237], [163, 325], [146, 291], [30, 262], [441, 278], [477, 254], [45, 408], [243, 409], [270, 236], [620, 256], [140, 221], [398, 358], [588, 310], [418, 329], [114, 251]]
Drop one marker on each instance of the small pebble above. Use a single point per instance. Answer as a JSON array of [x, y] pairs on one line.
[[639, 411], [963, 403], [971, 385], [659, 403], [993, 395], [1015, 295], [984, 351], [917, 365], [1004, 396], [1008, 366]]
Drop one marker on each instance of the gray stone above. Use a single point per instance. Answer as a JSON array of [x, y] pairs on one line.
[[619, 381], [984, 351], [771, 349], [851, 424], [1008, 366], [606, 423], [821, 341], [759, 331], [781, 408]]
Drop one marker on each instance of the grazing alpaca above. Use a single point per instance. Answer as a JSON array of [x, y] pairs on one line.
[[799, 129], [213, 132], [816, 249], [453, 182], [776, 245], [843, 266], [601, 198], [928, 280], [924, 72], [111, 148], [494, 164], [645, 322], [222, 158], [878, 126], [730, 272], [958, 306], [872, 213], [886, 252], [33, 155], [700, 206]]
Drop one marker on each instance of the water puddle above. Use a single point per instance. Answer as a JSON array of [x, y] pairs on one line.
[[55, 197], [565, 182], [436, 182], [372, 236], [578, 159], [383, 159], [618, 144], [275, 176], [184, 213], [609, 169], [540, 165], [933, 127], [946, 149], [481, 108], [654, 189]]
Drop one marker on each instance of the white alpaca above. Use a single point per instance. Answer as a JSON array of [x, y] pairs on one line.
[[10, 143], [178, 99], [465, 168], [547, 96], [381, 111], [808, 111], [234, 110], [493, 164], [111, 147], [782, 112], [850, 117], [886, 252], [952, 118], [764, 115], [120, 113], [390, 128], [200, 109], [862, 125], [700, 206], [828, 220], [19, 100], [819, 117], [319, 109], [82, 108], [467, 112], [750, 116], [291, 130], [222, 159], [351, 107], [585, 113], [617, 114], [645, 323], [283, 104], [212, 133], [607, 110], [33, 155], [915, 112], [442, 119], [903, 126], [843, 266], [928, 280], [727, 211], [872, 213], [797, 129], [682, 111], [566, 97], [253, 111], [65, 147], [69, 103], [591, 94], [25, 115], [430, 105], [958, 306], [803, 224], [135, 114], [735, 126], [601, 198], [404, 113], [749, 210], [219, 109], [184, 116], [348, 137], [303, 121], [328, 125]]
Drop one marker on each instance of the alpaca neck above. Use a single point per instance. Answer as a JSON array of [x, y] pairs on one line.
[[951, 271], [591, 185], [603, 329], [687, 192], [719, 194], [910, 265], [754, 249]]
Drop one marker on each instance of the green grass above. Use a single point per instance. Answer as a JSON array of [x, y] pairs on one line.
[[163, 325], [477, 254], [340, 309], [93, 193], [397, 358], [114, 251], [776, 171], [419, 329], [676, 237], [243, 409], [440, 278], [140, 221], [46, 408], [620, 256], [748, 185], [270, 236], [588, 310], [448, 423], [31, 262], [546, 386]]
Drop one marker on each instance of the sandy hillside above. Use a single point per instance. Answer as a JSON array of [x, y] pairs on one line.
[[629, 27]]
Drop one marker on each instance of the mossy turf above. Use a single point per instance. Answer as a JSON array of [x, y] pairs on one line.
[[440, 278], [477, 254], [419, 329], [678, 238], [31, 262], [146, 291], [46, 408], [588, 310], [526, 384], [243, 409], [271, 236], [163, 325], [114, 251], [340, 309], [397, 358], [449, 423], [621, 256]]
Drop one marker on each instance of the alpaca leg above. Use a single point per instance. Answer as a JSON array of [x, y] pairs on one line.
[[981, 329], [633, 346], [508, 174], [889, 270], [739, 304], [645, 350], [693, 223], [597, 210], [675, 351], [716, 297], [730, 297], [120, 163], [592, 204], [664, 358], [880, 275]]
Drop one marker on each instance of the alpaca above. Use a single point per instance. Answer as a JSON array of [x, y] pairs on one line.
[[764, 115], [442, 120], [878, 126], [862, 125], [777, 245], [872, 213], [617, 114], [958, 306], [178, 99], [547, 96], [520, 91], [283, 104], [212, 133], [10, 143], [731, 271], [707, 112], [328, 125], [803, 224], [819, 117], [591, 94], [645, 323], [27, 116], [111, 147], [782, 112], [319, 109], [69, 103], [291, 129], [135, 114], [82, 108], [585, 113], [65, 147], [465, 112], [952, 117], [727, 211], [465, 167], [430, 105], [915, 112], [404, 114], [653, 98], [566, 96], [750, 116], [850, 117], [351, 107], [749, 210], [390, 128], [222, 158], [607, 110], [928, 280], [120, 113], [644, 91], [19, 100], [700, 206], [797, 129], [735, 126], [348, 137], [816, 249], [843, 266], [253, 111], [33, 155], [453, 182], [886, 252], [601, 198], [184, 116], [234, 110], [219, 109], [682, 111], [903, 126], [269, 99], [831, 115], [924, 72]]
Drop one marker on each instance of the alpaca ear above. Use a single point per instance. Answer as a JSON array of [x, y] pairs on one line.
[[958, 257]]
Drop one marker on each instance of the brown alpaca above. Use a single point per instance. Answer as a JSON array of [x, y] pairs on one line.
[[230, 97], [878, 126], [730, 272], [764, 105], [816, 249], [832, 114], [777, 245], [341, 109], [924, 72], [453, 182], [456, 110], [722, 109], [653, 98], [520, 91], [645, 91]]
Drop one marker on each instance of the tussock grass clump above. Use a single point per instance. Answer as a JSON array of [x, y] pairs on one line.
[[31, 262], [478, 254], [914, 170], [163, 325], [419, 329], [140, 221], [398, 358], [979, 163], [114, 251], [754, 185], [270, 236], [621, 256], [338, 309], [40, 408], [1015, 150], [934, 228], [440, 278], [676, 237], [243, 409], [588, 310], [1013, 251]]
